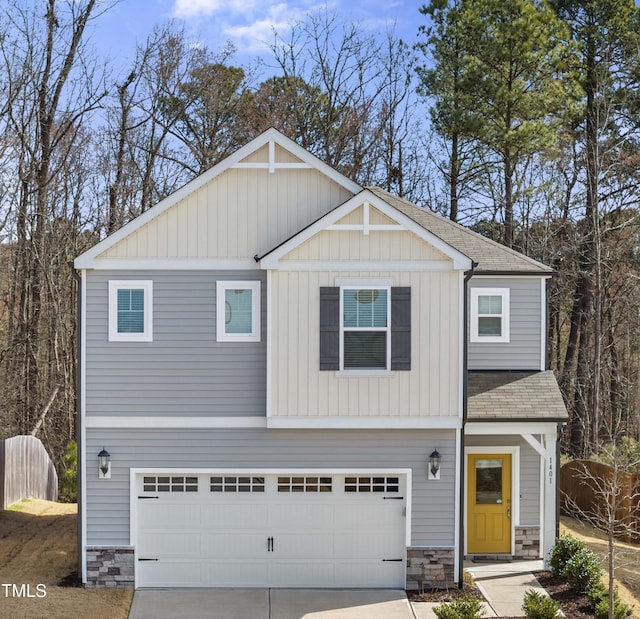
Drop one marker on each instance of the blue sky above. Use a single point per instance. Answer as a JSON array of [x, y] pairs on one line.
[[247, 23]]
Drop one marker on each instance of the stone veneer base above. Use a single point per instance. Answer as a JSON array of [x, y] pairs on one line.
[[527, 543], [110, 567], [430, 568]]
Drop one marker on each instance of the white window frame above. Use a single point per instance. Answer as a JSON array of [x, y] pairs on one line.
[[387, 329], [221, 287], [130, 284], [476, 293]]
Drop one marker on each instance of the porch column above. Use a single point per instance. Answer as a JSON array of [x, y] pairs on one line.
[[549, 486]]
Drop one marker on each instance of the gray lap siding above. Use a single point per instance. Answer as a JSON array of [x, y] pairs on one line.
[[433, 502], [183, 368]]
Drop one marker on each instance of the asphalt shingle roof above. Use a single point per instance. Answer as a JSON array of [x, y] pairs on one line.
[[490, 256], [514, 396]]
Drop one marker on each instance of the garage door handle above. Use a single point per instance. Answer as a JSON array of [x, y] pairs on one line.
[[392, 560], [269, 544]]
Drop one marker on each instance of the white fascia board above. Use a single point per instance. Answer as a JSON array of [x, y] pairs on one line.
[[85, 260], [272, 260], [384, 423], [83, 426], [365, 265], [479, 428], [542, 276]]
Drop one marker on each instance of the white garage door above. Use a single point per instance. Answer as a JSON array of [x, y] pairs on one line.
[[312, 530]]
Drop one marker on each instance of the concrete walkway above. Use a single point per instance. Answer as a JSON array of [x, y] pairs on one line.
[[502, 584]]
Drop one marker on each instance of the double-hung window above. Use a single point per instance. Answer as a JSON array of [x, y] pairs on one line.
[[130, 311], [238, 311], [489, 315], [365, 328]]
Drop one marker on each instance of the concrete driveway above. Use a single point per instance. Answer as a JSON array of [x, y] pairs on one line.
[[270, 604]]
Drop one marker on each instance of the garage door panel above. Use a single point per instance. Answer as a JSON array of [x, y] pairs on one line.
[[306, 516], [369, 544], [246, 515], [231, 544], [158, 513], [367, 513], [370, 574], [308, 545], [169, 543], [169, 574], [302, 573]]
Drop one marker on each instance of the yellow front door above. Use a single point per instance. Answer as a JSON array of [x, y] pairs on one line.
[[489, 503]]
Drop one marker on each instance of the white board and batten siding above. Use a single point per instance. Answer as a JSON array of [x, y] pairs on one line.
[[239, 214]]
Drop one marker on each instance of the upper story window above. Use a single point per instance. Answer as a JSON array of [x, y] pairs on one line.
[[489, 315], [238, 311], [130, 311], [365, 328]]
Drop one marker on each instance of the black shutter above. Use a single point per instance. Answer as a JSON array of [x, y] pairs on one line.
[[329, 328], [401, 328]]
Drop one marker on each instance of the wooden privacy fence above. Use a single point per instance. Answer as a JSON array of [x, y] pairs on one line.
[[595, 490], [26, 471]]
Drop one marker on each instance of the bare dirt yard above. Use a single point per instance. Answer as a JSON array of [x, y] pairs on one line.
[[627, 559], [37, 565]]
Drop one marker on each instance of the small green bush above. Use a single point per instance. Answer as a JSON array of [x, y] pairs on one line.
[[463, 608], [620, 610], [68, 481], [565, 548], [583, 570], [539, 606]]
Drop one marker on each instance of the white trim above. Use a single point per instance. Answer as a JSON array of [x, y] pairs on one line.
[[543, 324], [514, 452], [176, 264], [134, 472], [221, 288], [386, 330], [272, 259], [490, 428], [272, 167], [354, 282], [382, 422], [362, 265], [86, 260], [83, 425], [130, 284], [507, 276], [173, 421], [456, 515], [365, 228], [461, 342], [269, 311], [537, 445], [365, 374], [474, 335]]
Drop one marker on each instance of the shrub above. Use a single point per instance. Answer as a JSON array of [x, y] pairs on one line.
[[68, 482], [463, 608], [620, 610], [583, 570], [539, 606], [565, 548]]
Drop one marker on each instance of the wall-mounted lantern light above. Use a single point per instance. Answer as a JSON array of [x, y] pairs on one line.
[[434, 464], [104, 464]]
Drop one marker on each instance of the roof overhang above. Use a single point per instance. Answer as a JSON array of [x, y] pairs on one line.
[[271, 260]]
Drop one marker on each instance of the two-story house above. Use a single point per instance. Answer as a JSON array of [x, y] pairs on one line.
[[289, 380]]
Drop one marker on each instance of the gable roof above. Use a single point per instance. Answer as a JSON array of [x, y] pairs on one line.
[[270, 137], [490, 257], [366, 196]]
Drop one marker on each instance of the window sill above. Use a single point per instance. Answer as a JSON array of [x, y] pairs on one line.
[[365, 374]]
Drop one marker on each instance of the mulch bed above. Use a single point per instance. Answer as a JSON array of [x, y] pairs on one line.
[[574, 605]]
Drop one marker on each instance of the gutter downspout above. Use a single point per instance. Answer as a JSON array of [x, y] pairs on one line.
[[80, 446], [465, 330]]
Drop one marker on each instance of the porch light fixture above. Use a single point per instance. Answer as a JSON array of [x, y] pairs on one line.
[[434, 464], [104, 464]]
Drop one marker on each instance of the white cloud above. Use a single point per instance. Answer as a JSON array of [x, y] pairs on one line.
[[186, 9]]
